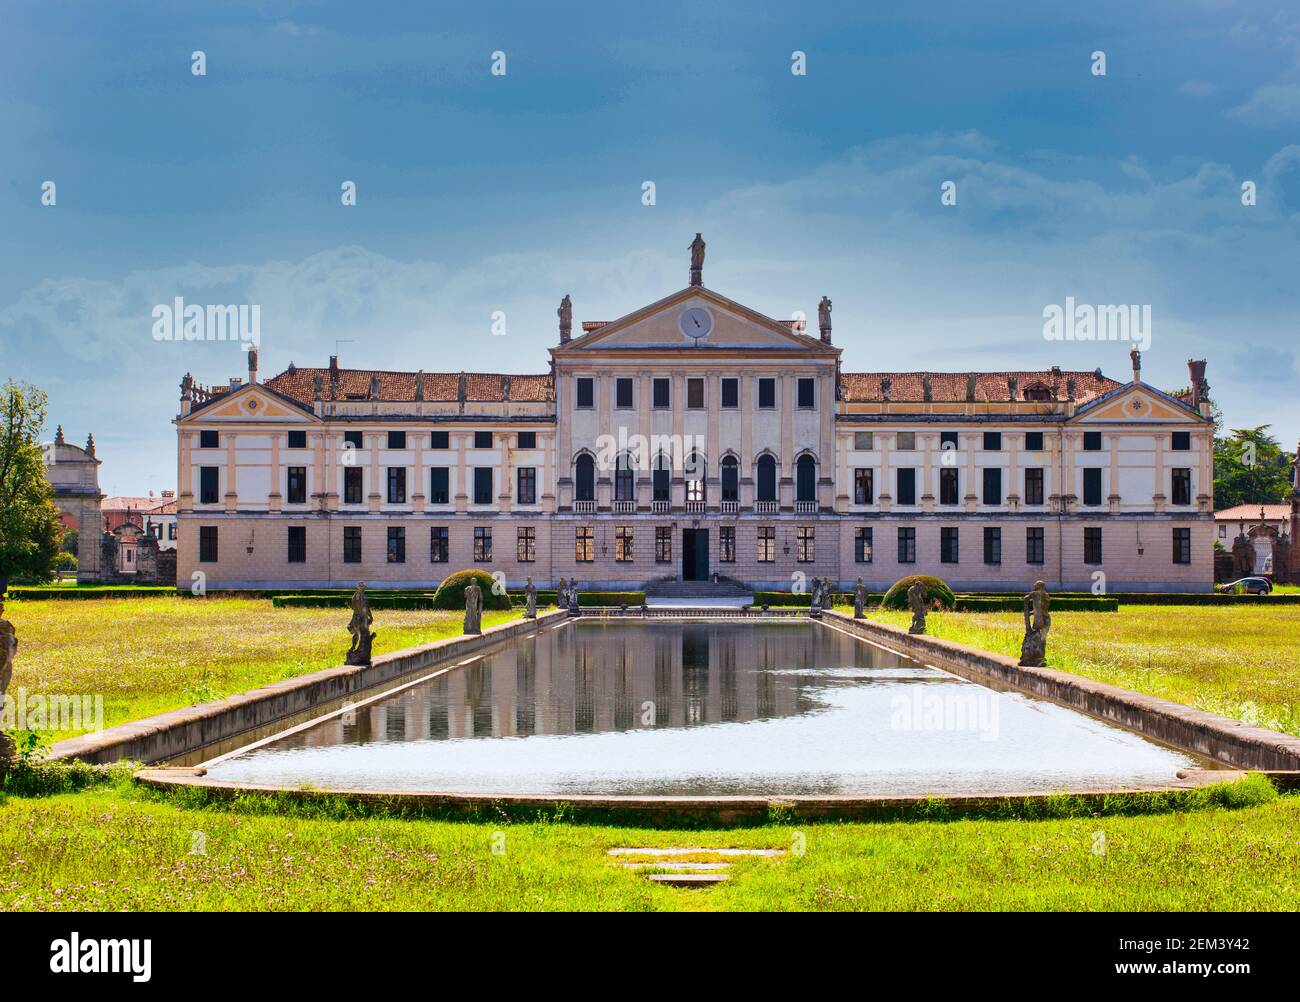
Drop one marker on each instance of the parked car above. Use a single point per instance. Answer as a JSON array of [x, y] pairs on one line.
[[1251, 586]]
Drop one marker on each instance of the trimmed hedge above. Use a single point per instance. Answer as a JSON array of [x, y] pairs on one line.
[[451, 593], [1006, 603], [936, 591], [604, 598], [38, 594], [377, 599]]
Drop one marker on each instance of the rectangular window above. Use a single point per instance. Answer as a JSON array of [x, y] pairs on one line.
[[993, 441], [482, 544], [766, 544], [352, 544], [948, 549], [623, 543], [1182, 486], [396, 544], [863, 490], [482, 485], [482, 440], [297, 440], [906, 440], [353, 438], [730, 392], [208, 480], [806, 392], [526, 440], [439, 545], [661, 393], [906, 486], [863, 440], [947, 440], [1034, 485], [397, 440], [297, 485], [439, 485], [440, 440], [907, 546], [1182, 546], [727, 544], [526, 546], [397, 485], [766, 393], [171, 530], [862, 545], [663, 544], [209, 440], [623, 392], [1092, 545], [992, 485], [584, 544], [208, 544], [527, 487], [805, 537], [1035, 547], [352, 484], [1092, 485], [297, 553], [1092, 441], [948, 488], [1033, 441], [695, 393], [992, 544], [1181, 441], [586, 393]]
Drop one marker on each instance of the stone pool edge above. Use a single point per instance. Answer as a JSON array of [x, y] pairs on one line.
[[177, 733], [1232, 742]]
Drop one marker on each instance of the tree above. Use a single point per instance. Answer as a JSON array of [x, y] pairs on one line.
[[1250, 467], [30, 530]]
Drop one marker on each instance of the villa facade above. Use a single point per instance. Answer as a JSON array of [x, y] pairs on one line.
[[690, 438]]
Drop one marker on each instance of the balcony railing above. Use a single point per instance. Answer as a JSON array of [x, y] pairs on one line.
[[584, 507], [765, 507], [694, 507], [624, 507], [661, 507], [730, 507], [805, 507]]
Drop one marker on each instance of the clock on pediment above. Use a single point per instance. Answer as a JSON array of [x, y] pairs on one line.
[[695, 322]]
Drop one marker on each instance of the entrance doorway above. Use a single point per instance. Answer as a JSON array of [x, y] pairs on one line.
[[695, 554]]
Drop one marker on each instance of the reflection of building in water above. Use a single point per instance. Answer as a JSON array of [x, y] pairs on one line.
[[596, 678]]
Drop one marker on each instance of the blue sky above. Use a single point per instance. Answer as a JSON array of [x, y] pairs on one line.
[[481, 193]]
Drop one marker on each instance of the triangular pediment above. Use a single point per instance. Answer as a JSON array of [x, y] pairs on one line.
[[252, 402], [1136, 402], [731, 326]]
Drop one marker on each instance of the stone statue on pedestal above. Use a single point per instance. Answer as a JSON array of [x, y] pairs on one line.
[[359, 627], [1243, 554], [562, 594], [916, 602], [817, 596], [1033, 651], [473, 608], [8, 649], [530, 597], [859, 599], [697, 260], [573, 596]]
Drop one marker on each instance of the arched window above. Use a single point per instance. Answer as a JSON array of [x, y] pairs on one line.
[[584, 475], [694, 473], [1038, 391], [624, 479], [730, 479], [766, 478], [805, 478], [662, 479]]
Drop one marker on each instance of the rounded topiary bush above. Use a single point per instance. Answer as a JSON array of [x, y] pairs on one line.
[[451, 593], [936, 592]]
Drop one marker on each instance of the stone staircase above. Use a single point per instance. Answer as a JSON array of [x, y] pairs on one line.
[[698, 867], [724, 588]]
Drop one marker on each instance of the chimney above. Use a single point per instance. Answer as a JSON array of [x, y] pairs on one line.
[[334, 367], [1196, 375]]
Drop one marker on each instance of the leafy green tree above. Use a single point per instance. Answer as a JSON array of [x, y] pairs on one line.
[[30, 530], [1250, 467]]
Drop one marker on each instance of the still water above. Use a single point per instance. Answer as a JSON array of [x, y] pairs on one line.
[[704, 709]]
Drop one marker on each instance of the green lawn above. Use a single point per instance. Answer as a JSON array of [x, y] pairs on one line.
[[149, 655], [122, 847], [1242, 662]]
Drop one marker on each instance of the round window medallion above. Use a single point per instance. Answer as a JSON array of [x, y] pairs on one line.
[[252, 405]]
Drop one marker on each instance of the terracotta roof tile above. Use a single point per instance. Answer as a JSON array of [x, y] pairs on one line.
[[354, 384], [857, 387]]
